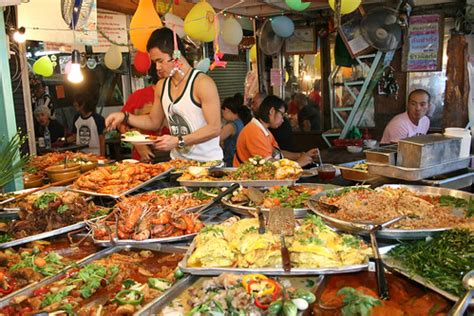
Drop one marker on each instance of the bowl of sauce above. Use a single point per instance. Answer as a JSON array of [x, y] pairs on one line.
[[326, 172]]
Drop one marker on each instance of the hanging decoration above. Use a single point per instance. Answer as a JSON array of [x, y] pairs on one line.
[[283, 26], [113, 58], [164, 6], [203, 65], [75, 73], [43, 67], [217, 53], [144, 22], [176, 56], [347, 6], [232, 32], [142, 62], [198, 24], [297, 5], [175, 21], [253, 54]]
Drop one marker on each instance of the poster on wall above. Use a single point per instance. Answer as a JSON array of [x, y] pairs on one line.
[[423, 48]]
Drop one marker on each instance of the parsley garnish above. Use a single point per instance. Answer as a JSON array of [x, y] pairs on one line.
[[43, 201], [357, 303], [63, 209], [350, 241]]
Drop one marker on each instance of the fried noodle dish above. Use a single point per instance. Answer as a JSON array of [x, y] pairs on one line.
[[359, 204], [38, 164], [157, 214], [238, 244], [119, 284], [118, 177]]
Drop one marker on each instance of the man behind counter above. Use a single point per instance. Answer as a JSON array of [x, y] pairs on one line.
[[412, 122]]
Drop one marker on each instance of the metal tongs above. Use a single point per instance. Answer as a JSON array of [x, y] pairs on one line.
[[216, 200]]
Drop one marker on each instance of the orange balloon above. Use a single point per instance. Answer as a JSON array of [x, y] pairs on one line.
[[144, 22]]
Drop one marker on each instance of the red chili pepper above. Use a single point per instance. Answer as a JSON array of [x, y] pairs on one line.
[[40, 291], [10, 283], [260, 304]]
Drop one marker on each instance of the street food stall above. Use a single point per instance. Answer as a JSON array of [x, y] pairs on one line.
[[339, 220]]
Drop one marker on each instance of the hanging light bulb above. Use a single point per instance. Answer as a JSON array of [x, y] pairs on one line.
[[19, 35], [75, 75]]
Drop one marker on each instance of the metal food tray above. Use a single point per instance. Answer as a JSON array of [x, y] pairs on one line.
[[116, 196], [416, 174], [51, 233], [247, 210], [386, 233], [356, 175], [28, 290], [50, 189], [153, 308], [213, 271], [397, 266]]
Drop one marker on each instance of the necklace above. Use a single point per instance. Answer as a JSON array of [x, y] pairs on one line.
[[180, 80]]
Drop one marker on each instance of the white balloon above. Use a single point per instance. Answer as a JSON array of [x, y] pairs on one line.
[[175, 21], [113, 58], [232, 31], [203, 65]]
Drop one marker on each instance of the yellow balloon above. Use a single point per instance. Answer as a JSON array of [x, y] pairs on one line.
[[199, 23], [144, 22], [253, 53], [287, 76], [113, 58], [347, 6], [43, 67]]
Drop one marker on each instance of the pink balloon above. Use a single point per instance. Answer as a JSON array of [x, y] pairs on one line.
[[142, 62]]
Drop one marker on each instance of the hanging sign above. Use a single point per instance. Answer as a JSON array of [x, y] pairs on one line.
[[114, 26], [423, 49]]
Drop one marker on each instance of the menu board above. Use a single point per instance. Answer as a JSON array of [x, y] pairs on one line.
[[423, 49]]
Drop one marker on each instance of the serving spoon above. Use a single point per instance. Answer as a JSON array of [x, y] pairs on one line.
[[460, 307]]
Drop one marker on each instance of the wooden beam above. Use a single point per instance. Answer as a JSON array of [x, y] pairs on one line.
[[122, 6]]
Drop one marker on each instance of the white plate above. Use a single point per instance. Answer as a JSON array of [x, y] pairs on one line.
[[135, 141]]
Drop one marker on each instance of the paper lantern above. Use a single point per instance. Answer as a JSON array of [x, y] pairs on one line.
[[144, 22], [232, 31], [203, 65], [297, 5], [283, 26], [253, 54], [142, 62], [113, 58], [43, 67], [174, 21], [199, 23], [346, 72], [347, 6]]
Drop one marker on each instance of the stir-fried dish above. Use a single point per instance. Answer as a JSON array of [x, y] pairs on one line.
[[119, 177], [442, 260], [38, 164], [255, 168], [156, 214], [249, 294], [47, 211], [136, 136], [294, 197], [180, 165], [354, 294], [238, 244], [358, 204], [25, 265], [119, 284]]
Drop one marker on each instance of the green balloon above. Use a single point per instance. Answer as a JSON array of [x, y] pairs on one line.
[[297, 5], [43, 67]]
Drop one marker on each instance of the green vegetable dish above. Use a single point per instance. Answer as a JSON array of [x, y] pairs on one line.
[[442, 260]]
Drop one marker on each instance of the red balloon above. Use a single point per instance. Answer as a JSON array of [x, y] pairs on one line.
[[142, 62]]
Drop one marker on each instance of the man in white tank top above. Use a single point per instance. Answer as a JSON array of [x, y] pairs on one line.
[[188, 99]]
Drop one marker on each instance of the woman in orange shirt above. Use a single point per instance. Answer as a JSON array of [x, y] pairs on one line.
[[255, 138]]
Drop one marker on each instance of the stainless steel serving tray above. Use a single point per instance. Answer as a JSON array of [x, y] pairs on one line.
[[248, 210], [28, 290], [416, 174], [153, 308], [269, 271], [398, 267], [245, 183], [50, 189], [387, 233], [116, 196]]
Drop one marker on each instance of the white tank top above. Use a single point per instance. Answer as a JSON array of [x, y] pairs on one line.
[[184, 117]]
